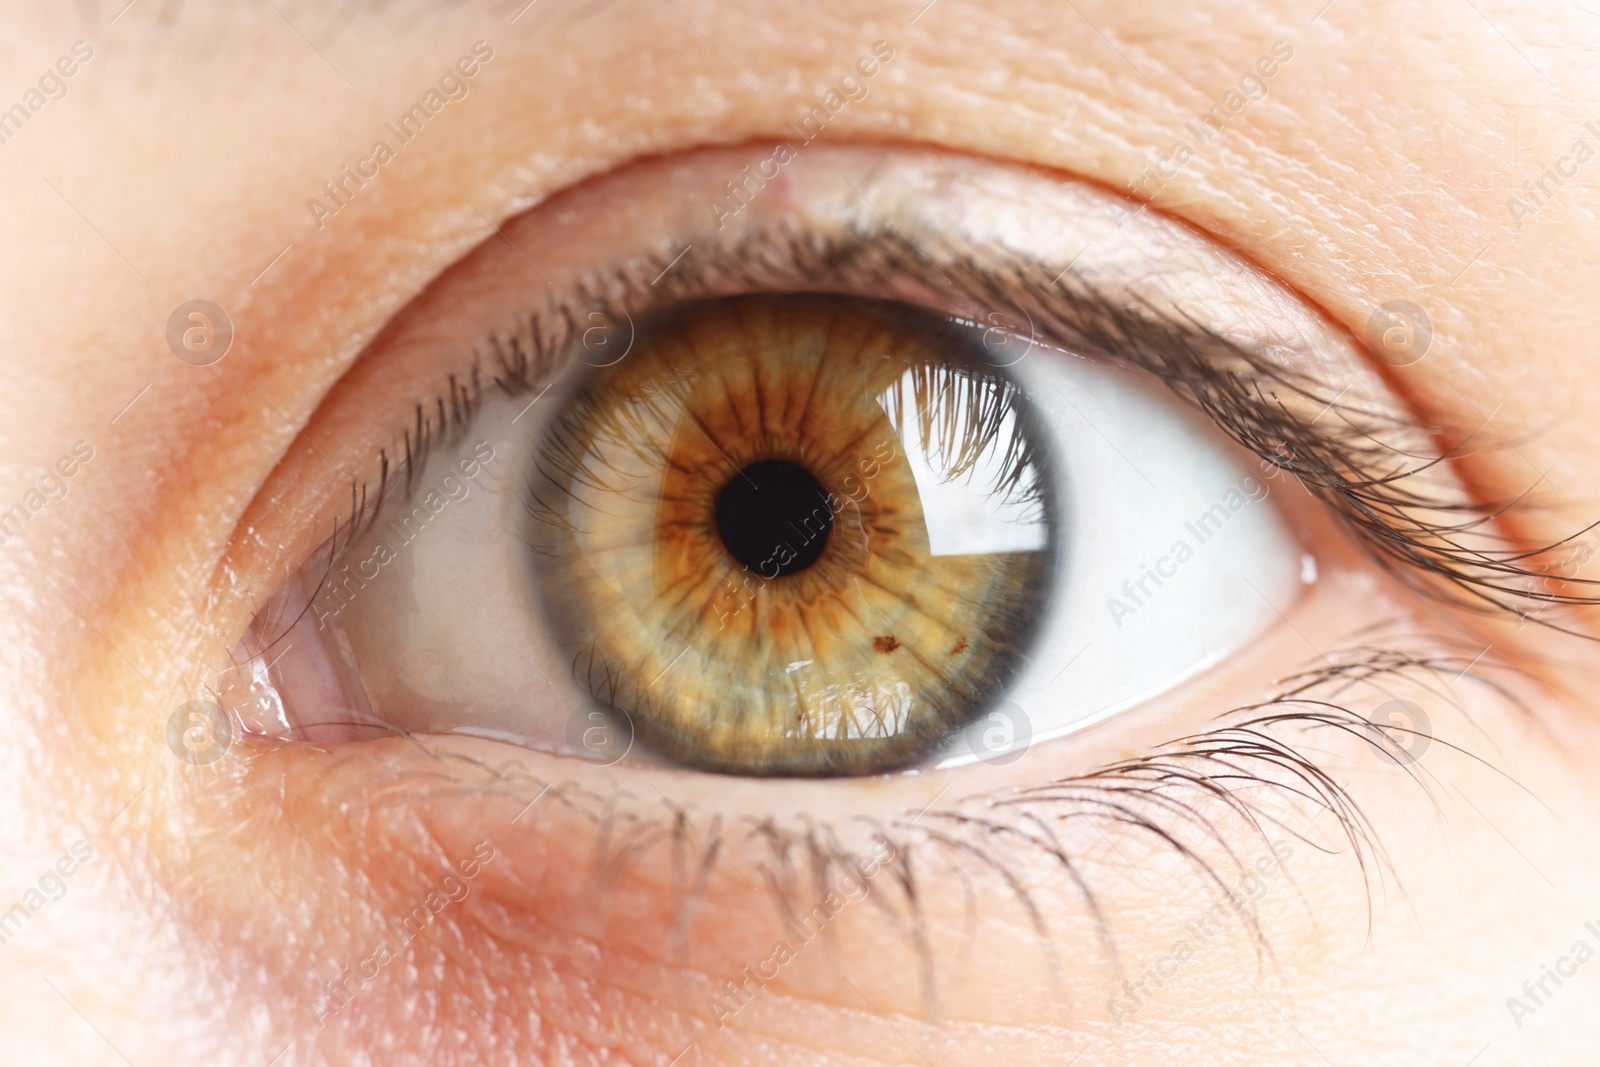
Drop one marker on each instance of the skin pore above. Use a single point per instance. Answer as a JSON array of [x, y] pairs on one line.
[[219, 901]]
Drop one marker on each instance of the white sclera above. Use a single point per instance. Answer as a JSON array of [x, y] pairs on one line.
[[963, 515], [450, 633], [1170, 554]]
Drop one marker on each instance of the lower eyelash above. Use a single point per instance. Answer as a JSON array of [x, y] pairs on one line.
[[1240, 765]]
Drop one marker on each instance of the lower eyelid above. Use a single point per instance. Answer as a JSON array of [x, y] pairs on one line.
[[582, 877]]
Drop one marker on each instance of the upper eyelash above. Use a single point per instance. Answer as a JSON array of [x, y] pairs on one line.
[[1414, 530], [1374, 486]]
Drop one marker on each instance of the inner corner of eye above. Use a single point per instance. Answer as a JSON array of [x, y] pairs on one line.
[[788, 535]]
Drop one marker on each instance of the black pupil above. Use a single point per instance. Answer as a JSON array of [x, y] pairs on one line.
[[774, 517]]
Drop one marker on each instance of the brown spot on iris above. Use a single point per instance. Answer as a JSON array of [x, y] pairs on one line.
[[885, 644]]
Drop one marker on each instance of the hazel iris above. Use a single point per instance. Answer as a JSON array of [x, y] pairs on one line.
[[796, 535]]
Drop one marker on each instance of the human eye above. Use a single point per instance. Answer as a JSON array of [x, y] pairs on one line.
[[729, 534], [785, 517]]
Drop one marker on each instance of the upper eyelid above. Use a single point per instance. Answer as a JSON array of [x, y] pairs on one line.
[[529, 354], [1184, 354], [1257, 358]]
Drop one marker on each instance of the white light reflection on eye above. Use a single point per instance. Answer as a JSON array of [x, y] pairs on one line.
[[966, 516]]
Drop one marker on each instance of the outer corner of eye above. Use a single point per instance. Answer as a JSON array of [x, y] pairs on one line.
[[784, 527]]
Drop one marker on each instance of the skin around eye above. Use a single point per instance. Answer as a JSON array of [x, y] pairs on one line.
[[251, 894], [441, 612]]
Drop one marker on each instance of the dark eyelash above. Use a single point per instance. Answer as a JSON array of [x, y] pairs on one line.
[[1193, 791], [1370, 465], [1423, 531], [1379, 470]]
